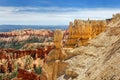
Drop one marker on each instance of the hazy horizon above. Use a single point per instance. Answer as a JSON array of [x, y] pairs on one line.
[[8, 28], [55, 12]]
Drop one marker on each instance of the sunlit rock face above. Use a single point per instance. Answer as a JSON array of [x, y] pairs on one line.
[[99, 60], [55, 65], [58, 35], [81, 31]]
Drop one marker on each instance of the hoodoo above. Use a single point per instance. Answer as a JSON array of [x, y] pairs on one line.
[[55, 64], [81, 31]]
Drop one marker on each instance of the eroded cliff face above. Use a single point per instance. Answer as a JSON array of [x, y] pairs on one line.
[[80, 32], [99, 60]]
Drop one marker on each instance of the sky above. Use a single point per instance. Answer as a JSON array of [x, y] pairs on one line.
[[55, 12]]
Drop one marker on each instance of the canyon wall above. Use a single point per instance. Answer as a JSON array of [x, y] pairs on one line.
[[99, 60], [81, 31]]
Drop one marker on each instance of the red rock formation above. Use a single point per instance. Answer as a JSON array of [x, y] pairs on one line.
[[27, 32], [10, 54], [21, 53], [3, 55], [26, 75], [3, 69], [22, 35]]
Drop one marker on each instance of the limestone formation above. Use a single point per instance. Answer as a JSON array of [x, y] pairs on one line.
[[81, 31]]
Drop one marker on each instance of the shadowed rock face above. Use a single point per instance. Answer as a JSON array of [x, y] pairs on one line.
[[80, 32]]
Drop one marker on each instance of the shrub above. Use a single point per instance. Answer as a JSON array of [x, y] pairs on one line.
[[38, 70]]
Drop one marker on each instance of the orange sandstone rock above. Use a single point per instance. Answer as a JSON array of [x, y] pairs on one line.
[[81, 31]]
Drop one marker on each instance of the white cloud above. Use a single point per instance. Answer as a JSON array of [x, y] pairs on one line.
[[51, 16]]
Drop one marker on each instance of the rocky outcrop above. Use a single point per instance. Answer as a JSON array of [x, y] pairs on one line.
[[100, 59], [55, 65], [80, 32], [70, 74]]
